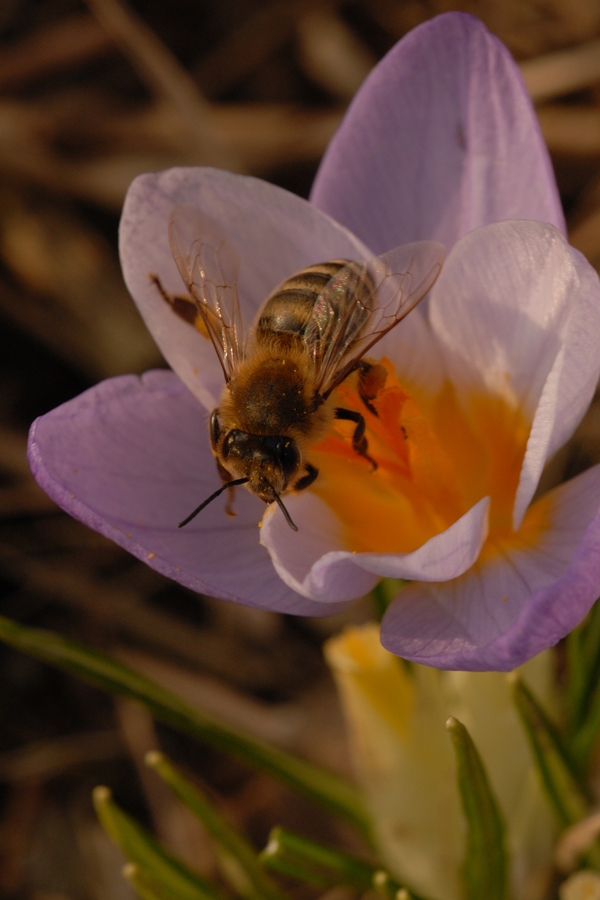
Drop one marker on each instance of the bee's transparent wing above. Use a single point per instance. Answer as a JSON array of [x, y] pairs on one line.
[[209, 267], [362, 302]]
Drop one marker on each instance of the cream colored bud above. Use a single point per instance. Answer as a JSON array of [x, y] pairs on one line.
[[584, 885]]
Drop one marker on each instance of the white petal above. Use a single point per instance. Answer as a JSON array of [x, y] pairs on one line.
[[517, 312], [570, 386], [315, 563], [300, 558], [500, 309]]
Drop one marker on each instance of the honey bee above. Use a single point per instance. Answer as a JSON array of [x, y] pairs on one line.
[[308, 336]]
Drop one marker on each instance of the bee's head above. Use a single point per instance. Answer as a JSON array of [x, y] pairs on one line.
[[264, 463], [268, 461]]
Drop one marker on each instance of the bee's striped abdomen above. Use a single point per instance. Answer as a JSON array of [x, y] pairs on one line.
[[288, 311]]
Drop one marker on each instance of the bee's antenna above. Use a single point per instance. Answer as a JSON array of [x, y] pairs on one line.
[[279, 501], [212, 497]]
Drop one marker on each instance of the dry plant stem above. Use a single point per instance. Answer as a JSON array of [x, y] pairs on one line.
[[332, 55], [27, 154], [266, 135], [42, 760], [122, 610], [66, 43], [15, 828], [557, 74], [278, 725], [586, 236], [23, 497], [258, 135], [252, 42], [167, 79], [571, 130], [77, 288]]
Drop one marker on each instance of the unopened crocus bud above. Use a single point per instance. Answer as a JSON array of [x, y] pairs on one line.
[[405, 764]]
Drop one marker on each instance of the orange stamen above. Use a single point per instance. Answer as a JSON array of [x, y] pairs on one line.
[[435, 458]]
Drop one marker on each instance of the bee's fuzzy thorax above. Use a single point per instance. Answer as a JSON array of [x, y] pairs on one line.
[[273, 393]]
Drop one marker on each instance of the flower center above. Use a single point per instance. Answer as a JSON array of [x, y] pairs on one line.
[[435, 459]]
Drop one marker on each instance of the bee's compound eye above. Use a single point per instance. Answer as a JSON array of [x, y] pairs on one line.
[[289, 456], [214, 428], [235, 441]]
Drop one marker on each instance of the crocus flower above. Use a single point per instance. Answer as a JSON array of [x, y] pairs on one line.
[[404, 762], [483, 385]]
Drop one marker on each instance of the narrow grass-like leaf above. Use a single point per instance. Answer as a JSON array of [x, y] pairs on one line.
[[170, 876], [583, 657], [577, 681], [241, 866], [325, 867], [486, 866], [144, 887], [101, 671], [584, 740], [557, 770]]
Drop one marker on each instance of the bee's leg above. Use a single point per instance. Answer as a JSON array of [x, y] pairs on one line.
[[359, 441], [371, 379], [225, 478], [184, 307], [306, 480]]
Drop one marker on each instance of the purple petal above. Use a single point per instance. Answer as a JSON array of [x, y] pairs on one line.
[[440, 139], [503, 612], [131, 458], [274, 234]]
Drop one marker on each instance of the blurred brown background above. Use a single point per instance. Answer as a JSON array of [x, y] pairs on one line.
[[90, 96]]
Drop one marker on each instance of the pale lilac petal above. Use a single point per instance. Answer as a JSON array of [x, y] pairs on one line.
[[517, 314], [501, 613], [274, 234], [413, 349], [130, 458], [314, 561], [296, 555], [440, 139], [569, 387]]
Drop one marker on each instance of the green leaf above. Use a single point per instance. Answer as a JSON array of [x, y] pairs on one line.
[[557, 770], [555, 765], [242, 868], [325, 788], [486, 865], [383, 593], [144, 887], [326, 867], [319, 865], [584, 740], [168, 874], [583, 657]]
